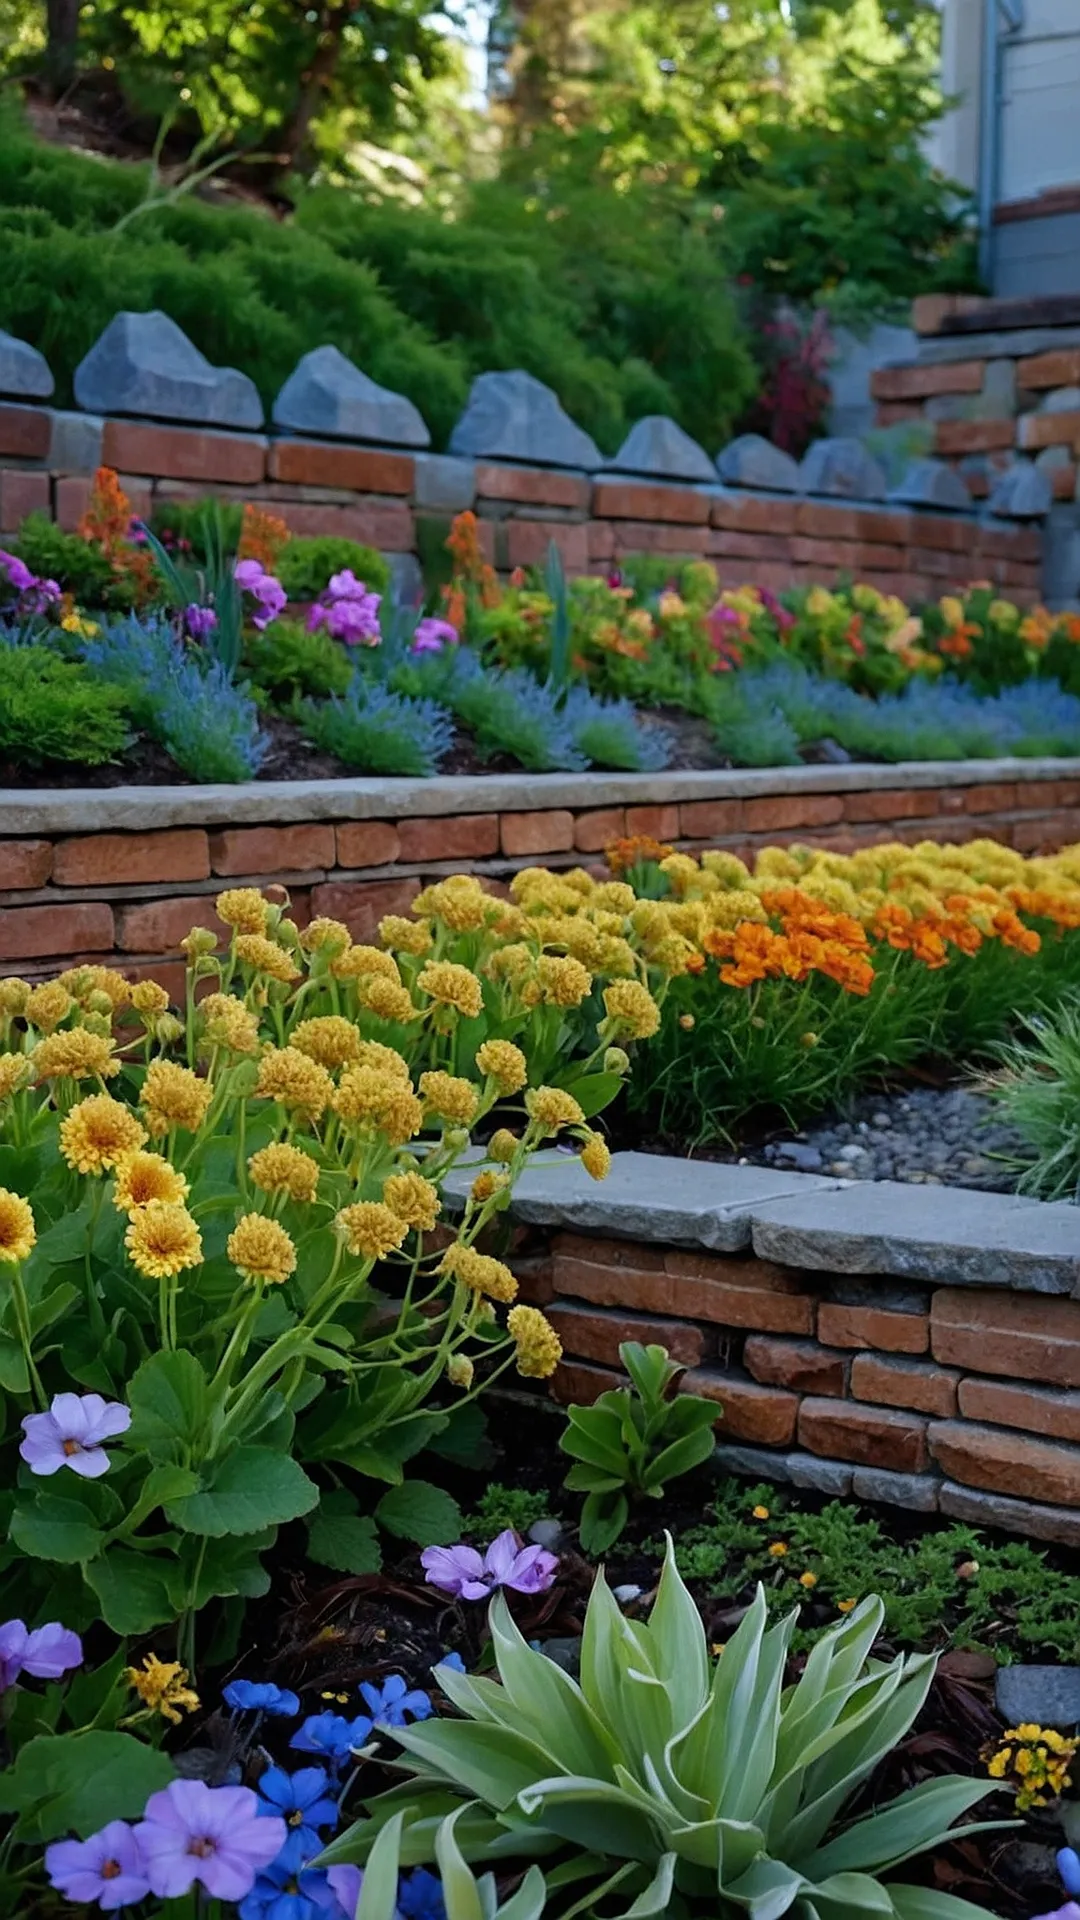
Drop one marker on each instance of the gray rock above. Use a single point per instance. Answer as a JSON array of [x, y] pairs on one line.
[[844, 468], [443, 484], [1012, 1516], [916, 1491], [997, 401], [627, 1594], [1062, 400], [658, 447], [326, 394], [752, 461], [931, 483], [824, 1476], [406, 578], [1024, 492], [24, 372], [1050, 459], [564, 1650], [144, 364], [76, 442], [547, 1534], [806, 1159], [512, 416], [1048, 1695], [757, 1463]]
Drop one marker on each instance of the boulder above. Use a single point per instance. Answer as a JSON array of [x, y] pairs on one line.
[[932, 483], [145, 365], [326, 395], [1024, 492], [844, 468], [24, 372], [658, 448], [512, 416], [752, 461]]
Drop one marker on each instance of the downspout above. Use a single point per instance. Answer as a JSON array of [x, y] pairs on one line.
[[989, 140]]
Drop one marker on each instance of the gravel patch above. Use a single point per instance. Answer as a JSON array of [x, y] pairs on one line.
[[937, 1137]]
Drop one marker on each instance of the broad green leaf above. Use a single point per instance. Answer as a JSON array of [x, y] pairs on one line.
[[766, 1889], [79, 1782], [654, 1899], [53, 1528], [489, 1761], [464, 1437], [530, 1900], [250, 1489], [873, 1733], [846, 1896], [603, 1518], [347, 1542], [97, 1691], [132, 1590], [14, 1377], [594, 1091], [682, 1655], [683, 1455], [418, 1511], [45, 1313], [915, 1820], [168, 1397], [66, 1239], [460, 1891], [925, 1903], [552, 1707], [378, 1895], [590, 1813]]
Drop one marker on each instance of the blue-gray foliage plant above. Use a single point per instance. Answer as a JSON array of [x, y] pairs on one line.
[[377, 730], [186, 701], [677, 1782]]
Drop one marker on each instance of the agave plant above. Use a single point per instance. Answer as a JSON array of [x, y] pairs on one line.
[[696, 1787]]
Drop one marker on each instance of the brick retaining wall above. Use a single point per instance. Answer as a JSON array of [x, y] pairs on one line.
[[127, 872]]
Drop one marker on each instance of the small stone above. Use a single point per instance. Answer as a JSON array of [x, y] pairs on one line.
[[144, 364], [1023, 492], [625, 1595], [24, 372], [327, 395], [513, 416], [658, 447], [1050, 1696], [916, 1491], [1061, 400], [880, 1120], [931, 483], [794, 1154], [854, 1152], [563, 1650], [824, 1476], [752, 461], [75, 446], [843, 467], [546, 1534], [443, 484]]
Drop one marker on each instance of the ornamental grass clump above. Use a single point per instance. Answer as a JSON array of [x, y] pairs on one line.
[[226, 1307]]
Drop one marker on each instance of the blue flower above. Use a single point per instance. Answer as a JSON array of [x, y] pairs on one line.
[[259, 1696], [390, 1704], [304, 1800], [331, 1736], [420, 1896], [453, 1660], [288, 1889], [1068, 1865]]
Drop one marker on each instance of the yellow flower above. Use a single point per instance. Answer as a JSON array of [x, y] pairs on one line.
[[15, 997], [459, 902], [501, 1061], [452, 986], [385, 1059], [99, 1132], [17, 1232], [288, 1076], [413, 1199], [596, 1157], [539, 1348], [460, 1370], [260, 1249], [376, 1099], [74, 1054], [761, 1513], [265, 956], [485, 1186], [564, 982], [326, 936], [87, 983], [450, 1098], [502, 1146], [284, 1169], [408, 936], [148, 998], [509, 963], [550, 1108], [778, 1549], [385, 999], [370, 1230], [228, 1023], [163, 1239], [14, 1073], [173, 1096], [73, 622], [198, 942], [44, 1007], [632, 1009], [846, 1606], [808, 1579], [243, 909], [479, 1271], [330, 1039], [355, 962], [162, 1685], [142, 1177]]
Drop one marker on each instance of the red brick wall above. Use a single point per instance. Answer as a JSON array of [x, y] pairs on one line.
[[970, 1395]]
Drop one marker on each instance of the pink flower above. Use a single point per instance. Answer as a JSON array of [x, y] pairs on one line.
[[211, 1835], [461, 1571], [71, 1433]]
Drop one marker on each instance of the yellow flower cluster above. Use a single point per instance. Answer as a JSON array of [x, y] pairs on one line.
[[1036, 1760]]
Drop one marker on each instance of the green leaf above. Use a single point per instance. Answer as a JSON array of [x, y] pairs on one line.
[[97, 1691], [464, 1438], [925, 1903], [66, 1239], [917, 1819], [168, 1400], [45, 1313], [418, 1511], [594, 1091], [603, 1518], [250, 1489], [133, 1592], [378, 1895], [347, 1542], [14, 1377], [79, 1782], [56, 1529], [460, 1891]]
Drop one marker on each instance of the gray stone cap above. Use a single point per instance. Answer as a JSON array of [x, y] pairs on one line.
[[280, 802], [948, 1236]]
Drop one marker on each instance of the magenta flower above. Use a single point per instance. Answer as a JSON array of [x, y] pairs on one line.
[[71, 1433], [18, 573], [214, 1836], [47, 1652], [199, 621], [344, 586], [107, 1868], [251, 577], [433, 635], [461, 1571]]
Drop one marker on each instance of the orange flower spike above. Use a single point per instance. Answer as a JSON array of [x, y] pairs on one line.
[[262, 537]]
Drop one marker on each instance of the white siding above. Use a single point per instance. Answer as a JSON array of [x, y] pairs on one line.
[[1040, 120]]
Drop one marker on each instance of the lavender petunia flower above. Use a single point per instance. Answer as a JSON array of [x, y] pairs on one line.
[[461, 1571], [260, 1696], [344, 586], [335, 1738], [108, 1868], [1070, 1911], [345, 1883], [392, 1703], [211, 1836], [47, 1652], [71, 1433]]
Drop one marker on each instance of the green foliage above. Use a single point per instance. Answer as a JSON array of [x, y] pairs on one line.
[[463, 1896], [632, 1441], [53, 709], [288, 663], [677, 1775], [375, 730], [1037, 1090], [78, 567], [182, 524], [306, 565], [211, 584], [502, 1507]]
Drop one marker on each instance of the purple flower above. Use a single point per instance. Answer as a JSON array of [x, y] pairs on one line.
[[433, 635], [251, 577], [460, 1570], [108, 1868], [345, 1883], [1070, 1911], [304, 1800], [46, 1653], [389, 1704], [18, 573], [290, 1888], [71, 1433], [344, 586], [331, 1736], [260, 1696], [210, 1835], [199, 621], [354, 622]]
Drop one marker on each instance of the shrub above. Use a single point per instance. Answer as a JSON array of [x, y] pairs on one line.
[[610, 734], [287, 663], [376, 730], [52, 709], [632, 1441], [79, 568], [186, 702], [306, 565], [1037, 1089], [509, 712]]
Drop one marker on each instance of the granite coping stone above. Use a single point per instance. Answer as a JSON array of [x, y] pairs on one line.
[[136, 809]]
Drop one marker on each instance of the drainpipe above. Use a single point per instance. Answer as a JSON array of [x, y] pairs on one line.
[[990, 124]]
